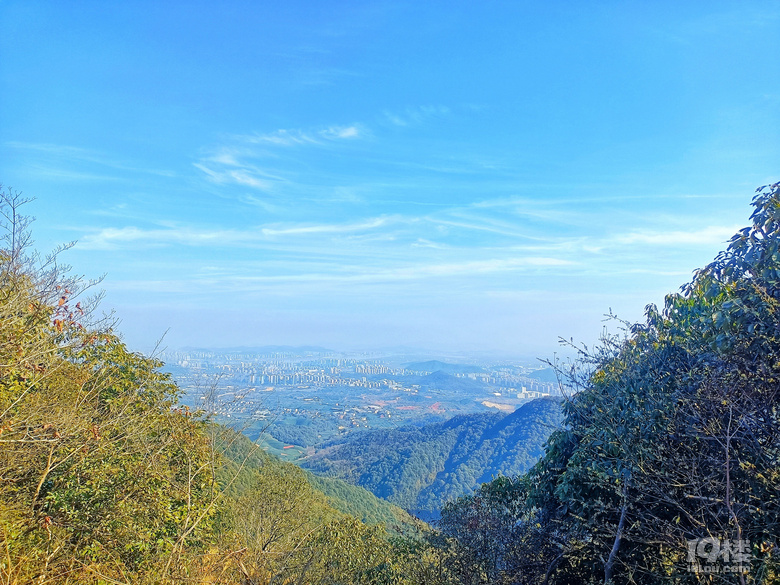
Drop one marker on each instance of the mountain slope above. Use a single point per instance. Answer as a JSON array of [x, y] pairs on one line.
[[420, 468], [243, 459]]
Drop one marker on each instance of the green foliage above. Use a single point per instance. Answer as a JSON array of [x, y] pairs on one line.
[[420, 468], [243, 460], [363, 505], [281, 529], [482, 528], [99, 477], [105, 478], [672, 436]]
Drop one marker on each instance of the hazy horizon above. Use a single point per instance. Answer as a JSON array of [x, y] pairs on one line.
[[458, 177]]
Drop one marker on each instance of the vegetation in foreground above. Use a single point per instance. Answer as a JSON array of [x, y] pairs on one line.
[[105, 478], [666, 469]]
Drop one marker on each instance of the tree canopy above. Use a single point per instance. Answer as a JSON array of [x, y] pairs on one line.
[[106, 478], [670, 444]]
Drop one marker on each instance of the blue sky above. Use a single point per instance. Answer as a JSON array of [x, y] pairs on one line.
[[454, 175]]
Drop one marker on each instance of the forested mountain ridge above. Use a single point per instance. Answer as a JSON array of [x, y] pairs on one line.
[[420, 468]]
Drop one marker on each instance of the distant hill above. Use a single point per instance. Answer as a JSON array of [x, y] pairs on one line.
[[437, 366], [544, 375], [442, 381], [437, 380], [420, 468]]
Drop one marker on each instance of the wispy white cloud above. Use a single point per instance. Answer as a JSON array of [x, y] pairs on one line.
[[132, 236], [329, 228], [294, 137], [415, 115], [343, 132], [346, 277], [395, 119], [480, 225], [248, 176], [241, 160], [706, 236], [422, 270], [260, 202], [114, 238], [425, 243], [59, 173]]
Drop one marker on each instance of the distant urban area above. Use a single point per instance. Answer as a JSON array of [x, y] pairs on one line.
[[296, 398]]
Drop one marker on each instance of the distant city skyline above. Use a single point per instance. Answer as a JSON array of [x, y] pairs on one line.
[[449, 176]]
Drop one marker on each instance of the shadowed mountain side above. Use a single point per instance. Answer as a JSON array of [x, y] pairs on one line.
[[420, 468]]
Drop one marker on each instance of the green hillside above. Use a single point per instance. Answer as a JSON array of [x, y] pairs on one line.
[[363, 505], [243, 459], [420, 468]]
